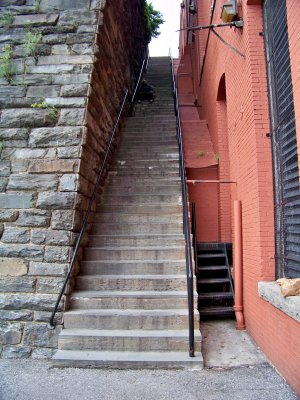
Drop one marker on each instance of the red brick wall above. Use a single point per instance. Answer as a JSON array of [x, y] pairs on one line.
[[245, 157]]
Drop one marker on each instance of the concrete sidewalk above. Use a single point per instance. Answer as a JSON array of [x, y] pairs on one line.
[[237, 370]]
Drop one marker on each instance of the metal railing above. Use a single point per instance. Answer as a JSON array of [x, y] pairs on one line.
[[94, 194], [186, 222], [194, 234]]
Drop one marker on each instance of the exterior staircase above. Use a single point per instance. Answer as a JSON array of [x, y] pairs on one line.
[[129, 308]]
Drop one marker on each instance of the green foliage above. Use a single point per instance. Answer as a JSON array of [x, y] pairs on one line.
[[31, 42], [37, 6], [1, 146], [216, 157], [153, 21], [7, 18], [7, 69], [200, 153], [52, 110]]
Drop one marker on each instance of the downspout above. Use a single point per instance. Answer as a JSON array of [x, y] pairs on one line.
[[212, 11], [238, 266]]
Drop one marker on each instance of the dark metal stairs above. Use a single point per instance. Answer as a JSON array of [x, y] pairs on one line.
[[214, 282]]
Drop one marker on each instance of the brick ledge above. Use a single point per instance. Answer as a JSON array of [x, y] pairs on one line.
[[290, 305]]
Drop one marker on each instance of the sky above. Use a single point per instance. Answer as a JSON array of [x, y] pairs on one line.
[[168, 37]]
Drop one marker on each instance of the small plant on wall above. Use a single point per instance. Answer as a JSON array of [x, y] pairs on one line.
[[7, 18], [52, 110], [31, 42], [154, 19], [7, 69]]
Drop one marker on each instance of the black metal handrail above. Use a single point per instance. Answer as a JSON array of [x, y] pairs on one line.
[[194, 233], [93, 197], [186, 222]]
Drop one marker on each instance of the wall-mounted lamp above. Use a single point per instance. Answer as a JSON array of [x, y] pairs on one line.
[[182, 5], [192, 9], [229, 11]]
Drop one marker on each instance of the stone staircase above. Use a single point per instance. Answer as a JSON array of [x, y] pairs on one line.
[[129, 308]]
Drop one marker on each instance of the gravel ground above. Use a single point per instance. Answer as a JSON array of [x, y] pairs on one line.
[[35, 380]]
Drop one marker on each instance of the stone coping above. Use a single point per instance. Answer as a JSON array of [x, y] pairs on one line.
[[290, 305]]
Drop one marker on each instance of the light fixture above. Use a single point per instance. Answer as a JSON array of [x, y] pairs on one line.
[[192, 9], [229, 11], [182, 5]]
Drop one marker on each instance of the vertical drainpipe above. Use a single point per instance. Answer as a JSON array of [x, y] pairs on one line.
[[238, 266]]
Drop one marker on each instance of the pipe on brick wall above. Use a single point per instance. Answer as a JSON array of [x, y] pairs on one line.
[[238, 266]]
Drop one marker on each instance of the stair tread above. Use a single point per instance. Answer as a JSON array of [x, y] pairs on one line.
[[140, 276], [216, 309], [130, 356], [213, 280], [211, 255], [126, 293], [180, 333], [214, 295], [131, 312]]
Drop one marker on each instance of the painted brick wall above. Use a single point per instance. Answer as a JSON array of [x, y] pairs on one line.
[[246, 158]]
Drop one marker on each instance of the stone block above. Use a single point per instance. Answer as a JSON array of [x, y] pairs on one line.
[[50, 69], [61, 102], [42, 354], [19, 166], [16, 352], [48, 5], [72, 117], [47, 269], [57, 136], [44, 316], [70, 79], [15, 143], [10, 333], [8, 200], [15, 235], [55, 201], [8, 215], [18, 118], [68, 152], [64, 60], [33, 182], [49, 285], [74, 90], [12, 91], [43, 91], [34, 218], [62, 49], [14, 134], [3, 184], [12, 267], [23, 285], [50, 237], [56, 254], [81, 17], [21, 251], [33, 79], [40, 302], [33, 153], [5, 168], [40, 335], [83, 48], [22, 315], [49, 166], [86, 29], [67, 183], [35, 19], [62, 220], [5, 3]]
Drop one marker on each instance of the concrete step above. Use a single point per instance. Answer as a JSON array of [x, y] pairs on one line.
[[140, 198], [134, 253], [151, 173], [134, 229], [136, 218], [134, 188], [117, 340], [145, 300], [149, 142], [146, 139], [141, 209], [127, 360], [131, 282], [136, 240], [126, 319], [148, 267], [125, 181], [147, 162]]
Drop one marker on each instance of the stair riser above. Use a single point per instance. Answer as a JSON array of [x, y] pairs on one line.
[[128, 303], [107, 343], [103, 283], [123, 241], [136, 229], [96, 268], [125, 322], [138, 199], [134, 219], [115, 189], [125, 181], [146, 168], [141, 209], [154, 173], [149, 140], [136, 254]]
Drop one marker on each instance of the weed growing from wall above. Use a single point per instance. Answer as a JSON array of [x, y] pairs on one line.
[[7, 69], [7, 18], [31, 42]]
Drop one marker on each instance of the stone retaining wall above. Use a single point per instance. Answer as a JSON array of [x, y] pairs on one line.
[[67, 68]]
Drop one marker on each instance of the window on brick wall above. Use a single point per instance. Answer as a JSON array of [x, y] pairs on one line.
[[284, 143]]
